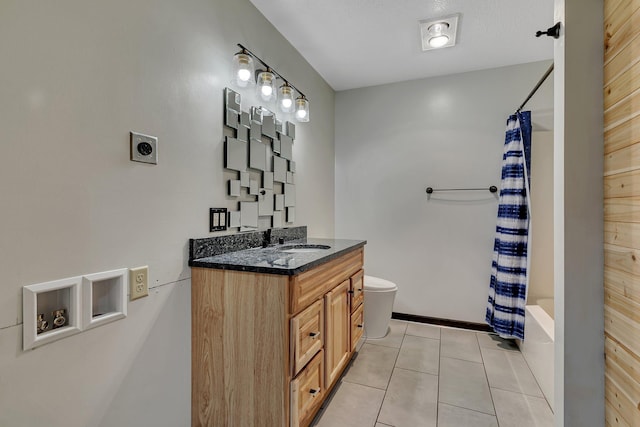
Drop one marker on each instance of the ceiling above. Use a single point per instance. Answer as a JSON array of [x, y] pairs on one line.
[[358, 43]]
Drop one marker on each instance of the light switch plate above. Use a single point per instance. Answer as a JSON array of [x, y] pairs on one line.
[[144, 148]]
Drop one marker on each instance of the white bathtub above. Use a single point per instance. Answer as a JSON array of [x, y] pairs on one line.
[[537, 347]]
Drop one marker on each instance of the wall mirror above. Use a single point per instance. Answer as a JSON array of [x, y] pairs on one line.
[[267, 180], [265, 202], [277, 220], [256, 114], [279, 202], [234, 219], [279, 169], [289, 195], [243, 133], [244, 119], [247, 154], [231, 118], [286, 147], [253, 187], [255, 133], [235, 154], [257, 155], [244, 179], [234, 188], [291, 130], [249, 215], [232, 99], [268, 123]]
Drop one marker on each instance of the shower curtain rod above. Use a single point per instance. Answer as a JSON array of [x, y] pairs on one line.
[[535, 89]]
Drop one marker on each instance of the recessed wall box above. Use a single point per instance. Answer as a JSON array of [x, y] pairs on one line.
[[41, 301], [104, 297]]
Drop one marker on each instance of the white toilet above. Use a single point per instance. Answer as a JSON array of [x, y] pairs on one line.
[[378, 300]]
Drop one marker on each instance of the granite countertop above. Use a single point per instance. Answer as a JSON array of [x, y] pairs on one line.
[[273, 260]]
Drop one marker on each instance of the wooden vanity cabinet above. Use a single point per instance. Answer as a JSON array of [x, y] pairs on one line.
[[268, 348]]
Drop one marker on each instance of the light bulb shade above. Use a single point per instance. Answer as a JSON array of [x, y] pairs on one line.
[[285, 98], [243, 70], [266, 87], [302, 109]]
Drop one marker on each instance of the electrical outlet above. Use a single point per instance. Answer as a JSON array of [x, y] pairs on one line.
[[139, 280], [144, 148]]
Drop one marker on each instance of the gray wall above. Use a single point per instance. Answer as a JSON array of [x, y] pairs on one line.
[[578, 215], [394, 141], [76, 77]]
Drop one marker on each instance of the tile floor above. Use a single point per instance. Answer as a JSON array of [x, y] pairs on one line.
[[424, 375]]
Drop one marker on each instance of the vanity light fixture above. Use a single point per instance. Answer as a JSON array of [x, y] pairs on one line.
[[266, 85], [302, 109], [439, 32], [285, 98], [243, 72]]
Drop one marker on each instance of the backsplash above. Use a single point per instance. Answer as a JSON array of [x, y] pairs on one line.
[[211, 246]]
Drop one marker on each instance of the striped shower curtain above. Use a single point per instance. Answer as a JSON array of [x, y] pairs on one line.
[[508, 289]]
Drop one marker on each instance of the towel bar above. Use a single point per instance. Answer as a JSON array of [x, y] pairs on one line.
[[492, 189]]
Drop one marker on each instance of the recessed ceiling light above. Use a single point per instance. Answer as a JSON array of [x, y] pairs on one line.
[[439, 32]]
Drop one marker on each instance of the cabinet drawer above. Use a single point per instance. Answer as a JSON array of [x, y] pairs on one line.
[[307, 392], [357, 290], [357, 322], [310, 285], [307, 335]]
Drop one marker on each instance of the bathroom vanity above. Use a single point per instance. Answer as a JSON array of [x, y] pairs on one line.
[[272, 330]]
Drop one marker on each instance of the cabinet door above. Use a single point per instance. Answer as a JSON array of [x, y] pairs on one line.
[[357, 290], [306, 335], [338, 328], [357, 325]]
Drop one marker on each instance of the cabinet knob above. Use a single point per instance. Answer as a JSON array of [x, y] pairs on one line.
[[314, 391], [350, 292], [314, 335], [359, 326]]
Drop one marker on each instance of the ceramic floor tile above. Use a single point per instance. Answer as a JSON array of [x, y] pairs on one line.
[[424, 331], [419, 354], [459, 344], [393, 338], [520, 410], [411, 400], [507, 370], [351, 399], [453, 416], [493, 341], [383, 425], [464, 384], [372, 366]]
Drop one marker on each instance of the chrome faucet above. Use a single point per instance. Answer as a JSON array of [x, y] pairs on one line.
[[266, 238]]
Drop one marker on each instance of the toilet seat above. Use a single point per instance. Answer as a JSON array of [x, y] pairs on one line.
[[376, 284]]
